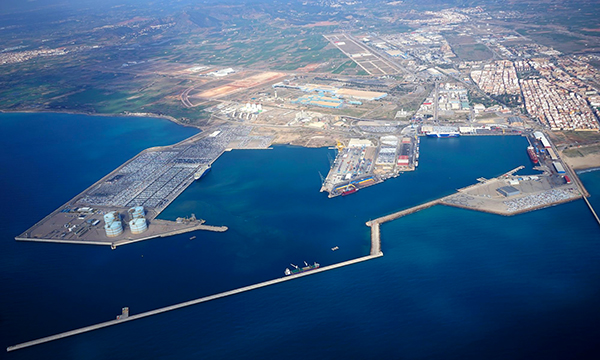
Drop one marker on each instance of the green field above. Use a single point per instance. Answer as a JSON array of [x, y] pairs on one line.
[[476, 98], [472, 52], [582, 151], [560, 41]]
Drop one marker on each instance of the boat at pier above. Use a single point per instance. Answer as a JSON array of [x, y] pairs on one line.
[[346, 189], [532, 156], [444, 134], [204, 169], [296, 269], [350, 190]]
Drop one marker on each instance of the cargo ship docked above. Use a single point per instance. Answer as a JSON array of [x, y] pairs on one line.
[[350, 190], [444, 134], [346, 189], [532, 156], [204, 169], [296, 269]]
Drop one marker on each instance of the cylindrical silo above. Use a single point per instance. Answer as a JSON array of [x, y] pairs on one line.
[[112, 224], [109, 217], [136, 212], [138, 225]]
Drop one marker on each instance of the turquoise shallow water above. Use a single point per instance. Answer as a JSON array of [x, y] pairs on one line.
[[452, 284]]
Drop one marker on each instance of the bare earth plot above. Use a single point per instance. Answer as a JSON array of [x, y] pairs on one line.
[[242, 84]]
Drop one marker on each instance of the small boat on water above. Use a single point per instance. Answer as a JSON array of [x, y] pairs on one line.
[[335, 248], [193, 237]]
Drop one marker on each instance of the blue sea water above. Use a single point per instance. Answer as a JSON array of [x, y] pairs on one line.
[[453, 283]]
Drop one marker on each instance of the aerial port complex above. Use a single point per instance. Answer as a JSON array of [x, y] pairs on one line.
[[374, 99], [122, 207], [94, 216], [255, 109]]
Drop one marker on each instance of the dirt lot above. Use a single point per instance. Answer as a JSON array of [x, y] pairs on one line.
[[241, 84], [575, 138]]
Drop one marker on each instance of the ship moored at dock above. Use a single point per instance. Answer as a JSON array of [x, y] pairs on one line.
[[296, 269], [532, 155], [444, 134], [202, 171]]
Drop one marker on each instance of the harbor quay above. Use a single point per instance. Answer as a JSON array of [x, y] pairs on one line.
[[121, 208], [505, 195], [362, 163], [511, 194], [157, 228]]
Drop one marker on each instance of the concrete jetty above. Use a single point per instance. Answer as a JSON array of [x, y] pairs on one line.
[[161, 228], [592, 209], [405, 212], [375, 239], [375, 224], [189, 303], [573, 175]]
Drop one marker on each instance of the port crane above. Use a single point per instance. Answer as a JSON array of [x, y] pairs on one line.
[[322, 178]]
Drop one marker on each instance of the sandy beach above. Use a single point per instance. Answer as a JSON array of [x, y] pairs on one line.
[[582, 162]]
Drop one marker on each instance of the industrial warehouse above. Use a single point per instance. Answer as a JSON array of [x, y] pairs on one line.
[[328, 96]]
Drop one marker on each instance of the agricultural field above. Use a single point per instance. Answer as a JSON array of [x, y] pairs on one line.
[[472, 52]]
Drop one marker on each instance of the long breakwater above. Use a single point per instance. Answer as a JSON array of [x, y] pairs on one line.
[[375, 252], [187, 303]]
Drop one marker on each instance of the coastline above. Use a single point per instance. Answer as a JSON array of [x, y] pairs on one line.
[[583, 171], [128, 114], [139, 115]]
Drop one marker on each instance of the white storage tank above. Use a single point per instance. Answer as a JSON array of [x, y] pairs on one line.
[[138, 225], [109, 217], [136, 212], [112, 224]]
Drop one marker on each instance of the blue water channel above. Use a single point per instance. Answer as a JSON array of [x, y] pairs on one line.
[[453, 283]]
